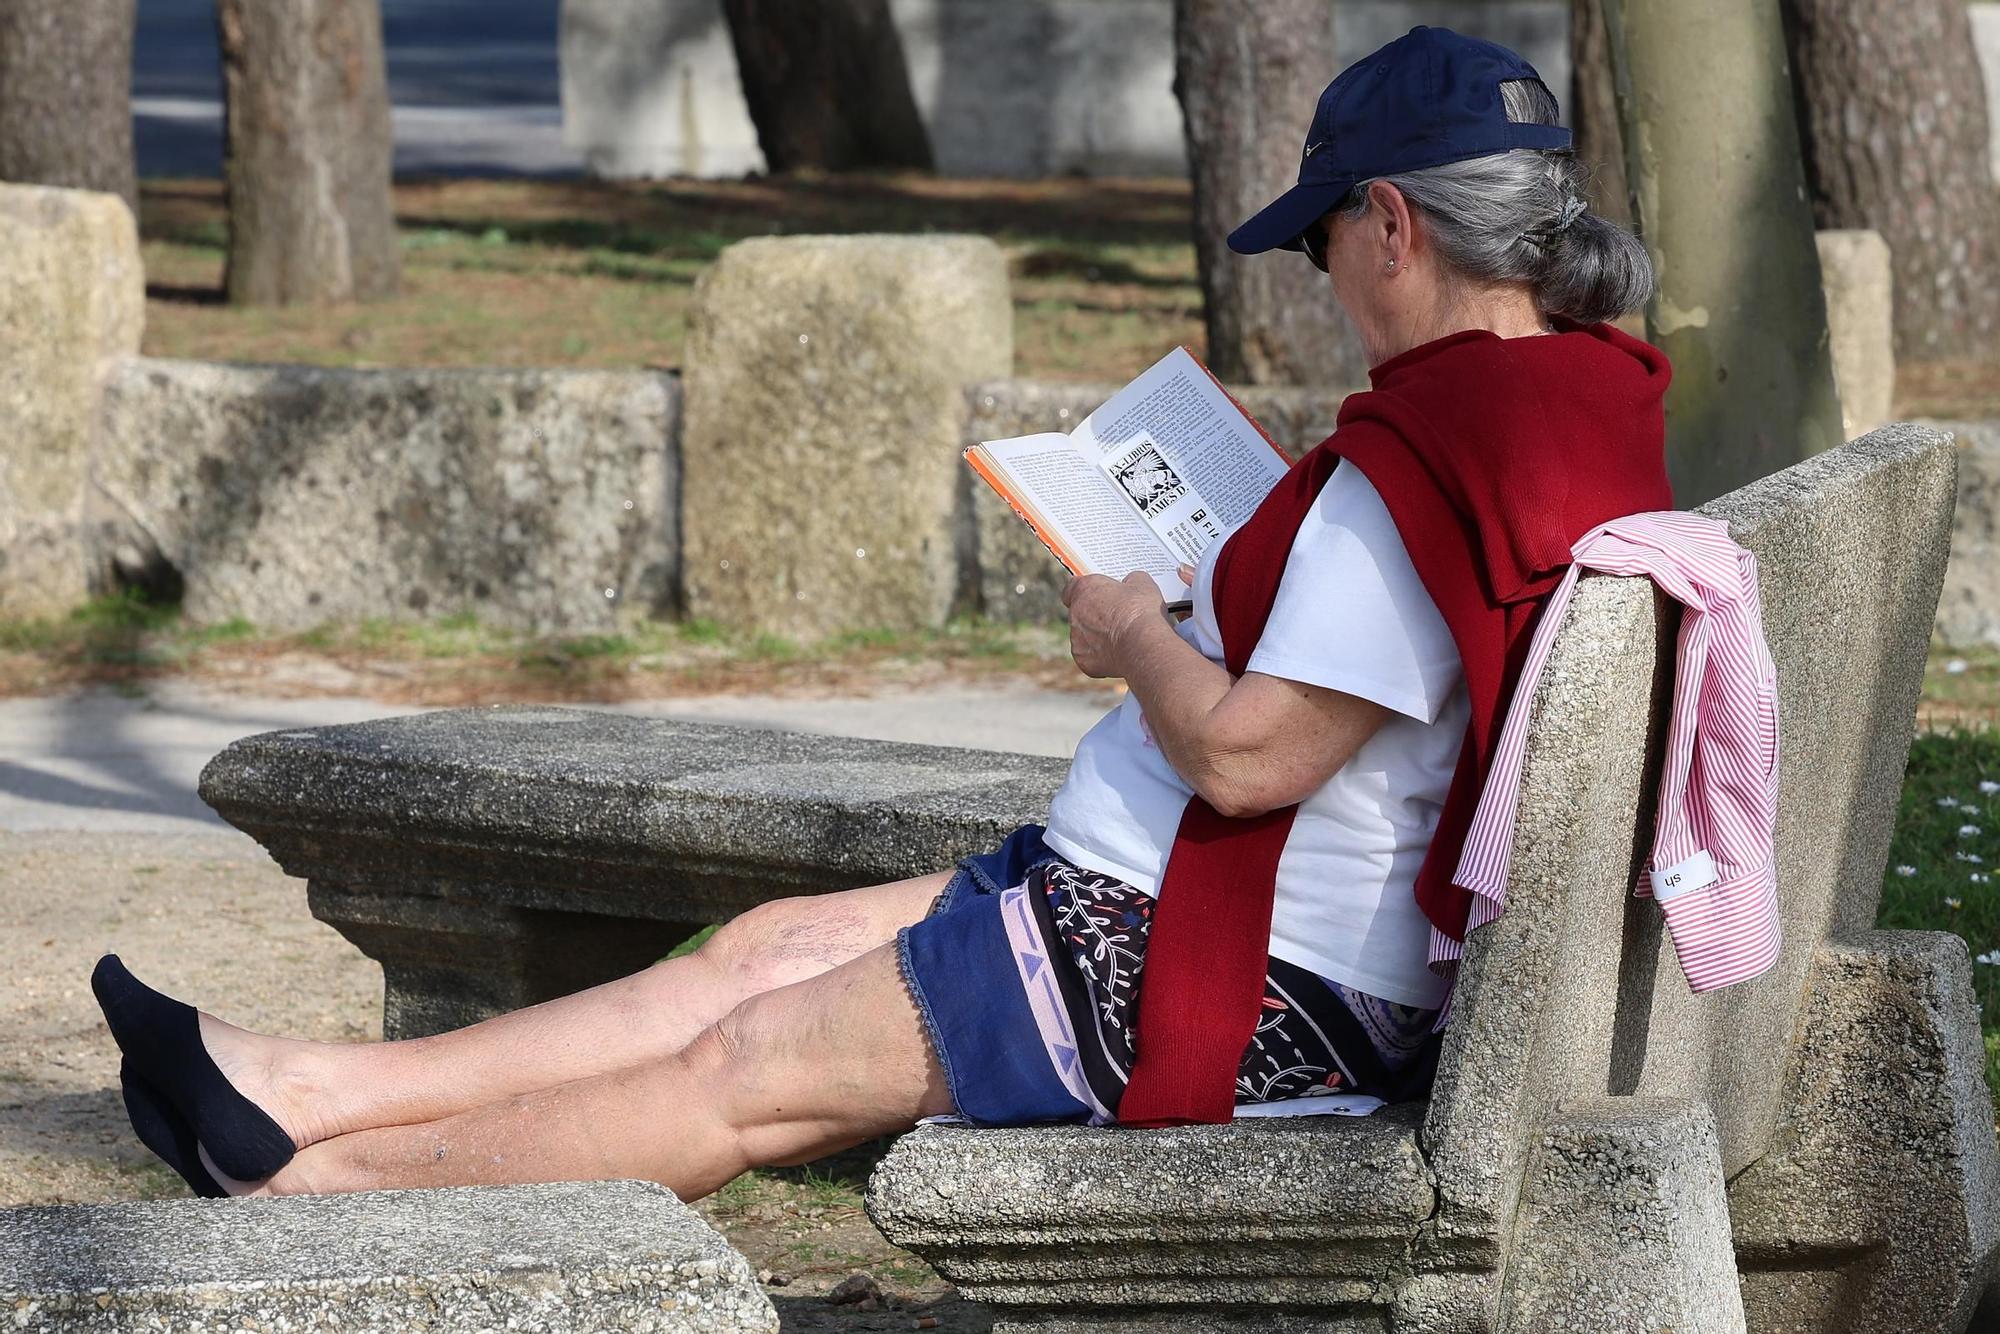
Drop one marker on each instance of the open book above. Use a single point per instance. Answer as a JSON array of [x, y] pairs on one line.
[[1167, 467]]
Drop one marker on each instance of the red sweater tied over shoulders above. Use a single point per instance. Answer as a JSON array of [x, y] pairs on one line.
[[1493, 456]]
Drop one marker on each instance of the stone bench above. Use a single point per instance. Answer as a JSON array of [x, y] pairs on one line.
[[1602, 1150], [622, 1255], [493, 858]]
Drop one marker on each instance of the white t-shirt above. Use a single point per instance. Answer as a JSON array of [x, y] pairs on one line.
[[1351, 615]]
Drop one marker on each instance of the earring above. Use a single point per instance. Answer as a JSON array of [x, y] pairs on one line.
[[1391, 266]]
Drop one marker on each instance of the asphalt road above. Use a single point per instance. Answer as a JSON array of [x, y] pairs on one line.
[[474, 84]]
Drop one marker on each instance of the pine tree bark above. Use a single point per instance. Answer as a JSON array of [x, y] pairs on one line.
[[827, 84], [1593, 112], [1892, 111], [66, 95], [1248, 78], [1718, 186], [308, 152]]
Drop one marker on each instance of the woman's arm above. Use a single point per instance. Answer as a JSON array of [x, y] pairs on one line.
[[1248, 745]]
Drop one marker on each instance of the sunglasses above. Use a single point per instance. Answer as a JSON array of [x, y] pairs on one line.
[[1314, 240]]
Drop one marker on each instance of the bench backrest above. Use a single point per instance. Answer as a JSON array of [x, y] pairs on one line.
[[1575, 990]]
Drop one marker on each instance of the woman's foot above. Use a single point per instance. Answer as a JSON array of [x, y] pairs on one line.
[[220, 1081], [166, 1132]]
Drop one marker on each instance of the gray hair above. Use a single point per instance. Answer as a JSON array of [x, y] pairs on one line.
[[1522, 216]]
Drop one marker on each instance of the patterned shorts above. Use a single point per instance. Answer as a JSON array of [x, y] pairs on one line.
[[1026, 973], [1315, 1036]]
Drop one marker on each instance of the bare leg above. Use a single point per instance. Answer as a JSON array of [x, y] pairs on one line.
[[785, 1077], [317, 1090]]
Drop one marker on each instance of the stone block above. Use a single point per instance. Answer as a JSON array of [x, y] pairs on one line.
[[72, 301], [1624, 1224], [1968, 613], [492, 858], [1163, 1225], [1986, 44], [1018, 580], [825, 379], [1879, 1207], [295, 495], [622, 1255], [1854, 267]]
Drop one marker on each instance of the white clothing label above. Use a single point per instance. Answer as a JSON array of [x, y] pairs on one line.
[[1697, 872]]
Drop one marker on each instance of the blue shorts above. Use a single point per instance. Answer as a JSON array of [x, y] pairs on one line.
[[968, 977], [960, 971]]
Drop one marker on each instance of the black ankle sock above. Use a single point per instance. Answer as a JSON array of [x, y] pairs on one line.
[[164, 1131], [162, 1039]]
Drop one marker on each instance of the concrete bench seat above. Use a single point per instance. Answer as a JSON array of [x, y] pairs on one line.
[[1069, 1216], [494, 858], [621, 1255], [1602, 1150]]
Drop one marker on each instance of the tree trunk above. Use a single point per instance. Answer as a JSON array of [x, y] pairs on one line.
[[1248, 78], [308, 152], [1712, 151], [1593, 112], [66, 95], [1892, 110], [827, 84]]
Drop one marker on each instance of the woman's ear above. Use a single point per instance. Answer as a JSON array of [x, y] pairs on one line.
[[1389, 219]]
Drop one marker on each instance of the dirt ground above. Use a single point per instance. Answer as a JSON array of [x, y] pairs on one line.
[[211, 919]]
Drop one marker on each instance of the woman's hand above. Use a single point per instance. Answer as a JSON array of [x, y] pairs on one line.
[[1104, 613]]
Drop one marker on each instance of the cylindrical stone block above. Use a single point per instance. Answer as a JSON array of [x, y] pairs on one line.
[[1860, 320], [72, 295], [825, 403]]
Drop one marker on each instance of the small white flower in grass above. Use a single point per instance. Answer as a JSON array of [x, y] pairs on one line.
[[1977, 877], [1968, 831], [1988, 786], [1947, 803], [1968, 856], [1906, 870], [1991, 957], [1954, 904], [1955, 666]]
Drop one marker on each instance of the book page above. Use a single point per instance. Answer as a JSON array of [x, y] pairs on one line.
[[1174, 419], [1083, 510]]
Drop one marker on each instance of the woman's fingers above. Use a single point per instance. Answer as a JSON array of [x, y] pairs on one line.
[[1186, 572]]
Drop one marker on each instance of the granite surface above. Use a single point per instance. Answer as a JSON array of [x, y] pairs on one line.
[[72, 302], [295, 495], [622, 1255], [825, 378]]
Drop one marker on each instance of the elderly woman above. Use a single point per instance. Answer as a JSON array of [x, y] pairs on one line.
[[1294, 764]]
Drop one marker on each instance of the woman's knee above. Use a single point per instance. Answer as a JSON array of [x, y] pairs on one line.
[[789, 940], [770, 945]]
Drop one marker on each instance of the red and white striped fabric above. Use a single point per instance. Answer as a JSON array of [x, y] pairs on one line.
[[1712, 869]]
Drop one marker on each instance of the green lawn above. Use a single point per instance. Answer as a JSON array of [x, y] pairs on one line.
[[1944, 861], [601, 273]]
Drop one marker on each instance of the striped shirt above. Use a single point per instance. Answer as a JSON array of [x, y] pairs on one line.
[[1712, 869]]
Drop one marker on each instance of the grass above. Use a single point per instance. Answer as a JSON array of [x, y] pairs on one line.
[[601, 274], [1944, 859], [121, 641]]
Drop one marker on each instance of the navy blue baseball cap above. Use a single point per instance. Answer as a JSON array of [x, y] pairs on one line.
[[1427, 98]]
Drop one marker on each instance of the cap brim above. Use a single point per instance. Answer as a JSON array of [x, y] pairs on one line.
[[1277, 225]]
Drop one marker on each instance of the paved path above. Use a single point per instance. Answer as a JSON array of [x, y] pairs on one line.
[[103, 762]]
